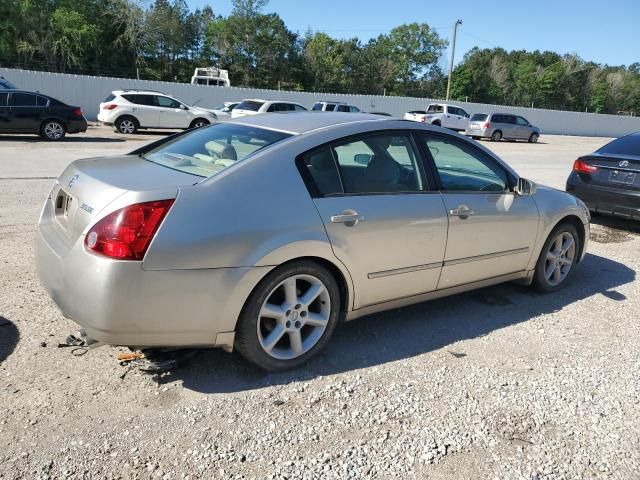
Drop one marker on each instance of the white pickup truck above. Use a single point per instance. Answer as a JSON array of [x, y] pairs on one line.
[[441, 114]]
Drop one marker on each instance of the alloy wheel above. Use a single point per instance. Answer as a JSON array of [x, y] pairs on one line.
[[294, 317], [127, 126], [53, 130], [560, 257]]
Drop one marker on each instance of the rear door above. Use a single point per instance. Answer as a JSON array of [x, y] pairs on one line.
[[24, 112], [143, 109], [4, 112], [384, 223], [491, 229]]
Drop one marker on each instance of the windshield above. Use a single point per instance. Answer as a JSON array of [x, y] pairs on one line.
[[479, 117], [250, 105], [209, 150]]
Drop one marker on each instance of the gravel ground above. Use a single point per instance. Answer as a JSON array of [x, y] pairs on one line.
[[502, 383]]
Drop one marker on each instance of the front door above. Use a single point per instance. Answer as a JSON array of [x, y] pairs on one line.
[[172, 113], [523, 130], [491, 229], [4, 112], [384, 223]]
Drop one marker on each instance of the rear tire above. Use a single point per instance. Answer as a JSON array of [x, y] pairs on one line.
[[278, 328], [437, 123], [534, 138], [52, 130], [557, 259], [496, 136], [126, 125]]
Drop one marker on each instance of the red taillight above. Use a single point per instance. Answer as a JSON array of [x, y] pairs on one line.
[[126, 233], [111, 106], [583, 167], [486, 126], [77, 112]]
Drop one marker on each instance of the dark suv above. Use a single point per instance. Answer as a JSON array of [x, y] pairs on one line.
[[28, 112]]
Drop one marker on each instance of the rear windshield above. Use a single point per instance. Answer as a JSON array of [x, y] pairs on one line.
[[627, 145], [209, 150], [479, 117], [435, 109], [250, 105]]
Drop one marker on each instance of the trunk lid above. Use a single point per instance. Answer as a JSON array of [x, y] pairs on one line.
[[615, 171], [86, 187]]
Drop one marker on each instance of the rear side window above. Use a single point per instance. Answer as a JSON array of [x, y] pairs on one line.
[[343, 108], [23, 100], [3, 99], [316, 107], [139, 99], [250, 105], [321, 168], [627, 145], [497, 119], [510, 119], [435, 109], [42, 101], [330, 107], [110, 98], [479, 117]]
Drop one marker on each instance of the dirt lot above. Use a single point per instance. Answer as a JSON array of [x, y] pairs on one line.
[[500, 383]]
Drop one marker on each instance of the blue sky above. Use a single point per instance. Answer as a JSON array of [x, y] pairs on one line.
[[601, 31]]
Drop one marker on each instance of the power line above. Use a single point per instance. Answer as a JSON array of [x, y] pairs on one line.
[[479, 39]]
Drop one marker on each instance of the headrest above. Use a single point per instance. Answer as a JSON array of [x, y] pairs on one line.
[[383, 169], [222, 150]]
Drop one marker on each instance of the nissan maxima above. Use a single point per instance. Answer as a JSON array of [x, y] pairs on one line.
[[263, 234]]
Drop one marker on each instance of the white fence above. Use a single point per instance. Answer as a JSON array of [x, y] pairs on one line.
[[87, 92]]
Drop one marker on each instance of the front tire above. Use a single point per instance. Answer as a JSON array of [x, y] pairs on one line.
[[557, 259], [199, 122], [289, 317], [534, 138], [52, 130], [126, 125]]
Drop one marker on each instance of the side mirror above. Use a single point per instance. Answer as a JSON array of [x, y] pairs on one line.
[[184, 107], [525, 187], [362, 158]]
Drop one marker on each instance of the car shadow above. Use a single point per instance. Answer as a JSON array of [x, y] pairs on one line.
[[67, 139], [403, 333], [617, 223], [9, 336]]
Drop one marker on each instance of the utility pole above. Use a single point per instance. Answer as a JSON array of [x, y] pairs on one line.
[[453, 52]]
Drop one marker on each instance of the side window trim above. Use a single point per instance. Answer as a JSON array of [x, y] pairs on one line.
[[434, 169]]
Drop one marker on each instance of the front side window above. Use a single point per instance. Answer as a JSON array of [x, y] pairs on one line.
[[3, 99], [462, 167], [42, 101], [207, 151], [522, 122], [343, 108], [381, 163], [354, 109], [23, 100], [317, 107], [299, 108], [250, 105], [166, 102]]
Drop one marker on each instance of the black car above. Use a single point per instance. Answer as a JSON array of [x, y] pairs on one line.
[[28, 112], [608, 180]]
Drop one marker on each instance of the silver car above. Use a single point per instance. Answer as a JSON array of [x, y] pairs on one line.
[[264, 233], [499, 126]]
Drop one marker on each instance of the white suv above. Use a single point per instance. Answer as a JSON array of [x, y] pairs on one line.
[[130, 110], [441, 114], [255, 106], [334, 107]]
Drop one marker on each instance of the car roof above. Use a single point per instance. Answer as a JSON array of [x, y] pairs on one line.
[[144, 92], [302, 122]]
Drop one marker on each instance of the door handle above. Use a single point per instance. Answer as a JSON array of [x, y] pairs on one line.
[[348, 217], [462, 211]]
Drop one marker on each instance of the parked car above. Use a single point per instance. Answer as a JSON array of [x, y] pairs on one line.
[[29, 112], [7, 85], [255, 106], [223, 112], [132, 110], [442, 115], [264, 233], [498, 126], [608, 180], [325, 106]]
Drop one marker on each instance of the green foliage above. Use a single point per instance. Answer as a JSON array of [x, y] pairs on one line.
[[165, 39]]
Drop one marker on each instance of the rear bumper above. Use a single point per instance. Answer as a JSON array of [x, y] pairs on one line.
[[613, 201], [120, 303], [477, 133], [77, 126]]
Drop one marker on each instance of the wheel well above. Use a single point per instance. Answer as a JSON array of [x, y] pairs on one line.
[[579, 226], [127, 116], [436, 122], [496, 131], [199, 118], [64, 124]]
